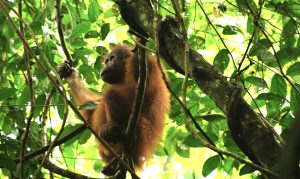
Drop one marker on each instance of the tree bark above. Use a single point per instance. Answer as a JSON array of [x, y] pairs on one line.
[[259, 139]]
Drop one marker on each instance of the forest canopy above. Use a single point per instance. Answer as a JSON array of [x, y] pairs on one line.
[[240, 83]]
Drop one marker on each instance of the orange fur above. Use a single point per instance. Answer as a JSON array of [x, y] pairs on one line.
[[154, 109]]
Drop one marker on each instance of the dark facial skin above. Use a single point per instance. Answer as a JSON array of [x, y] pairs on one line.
[[114, 70]]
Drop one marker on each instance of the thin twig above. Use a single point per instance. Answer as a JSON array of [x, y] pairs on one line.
[[142, 46], [186, 51], [163, 7], [255, 166], [274, 51], [57, 143], [186, 70], [246, 51], [66, 111], [278, 62], [62, 172], [45, 112], [60, 32], [32, 98], [218, 34]]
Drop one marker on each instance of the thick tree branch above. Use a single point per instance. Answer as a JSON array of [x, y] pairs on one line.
[[289, 165], [140, 91], [138, 102], [260, 139]]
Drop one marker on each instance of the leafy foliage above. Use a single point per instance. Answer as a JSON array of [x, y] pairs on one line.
[[269, 69]]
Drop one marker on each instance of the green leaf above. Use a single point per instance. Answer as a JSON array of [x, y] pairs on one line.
[[246, 170], [262, 44], [78, 43], [83, 51], [197, 41], [59, 101], [8, 144], [7, 162], [229, 165], [267, 57], [24, 98], [6, 93], [170, 141], [80, 29], [269, 96], [40, 101], [84, 137], [101, 50], [288, 54], [295, 100], [98, 66], [287, 121], [36, 26], [259, 82], [213, 117], [191, 141], [286, 8], [210, 165], [294, 70], [183, 151], [94, 10], [221, 60], [105, 28], [90, 105], [67, 129], [288, 33], [110, 12], [71, 13], [278, 86], [230, 30], [69, 156], [92, 34], [97, 166], [160, 151], [229, 144], [250, 24], [87, 70]]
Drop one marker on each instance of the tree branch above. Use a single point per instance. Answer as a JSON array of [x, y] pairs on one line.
[[62, 172], [31, 94], [60, 32], [260, 139], [208, 144]]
